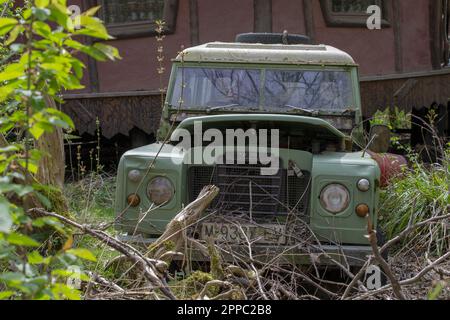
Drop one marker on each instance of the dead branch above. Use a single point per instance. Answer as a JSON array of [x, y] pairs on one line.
[[189, 215], [98, 279], [210, 284], [374, 244], [149, 270]]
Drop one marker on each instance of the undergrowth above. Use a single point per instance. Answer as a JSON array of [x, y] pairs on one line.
[[420, 193]]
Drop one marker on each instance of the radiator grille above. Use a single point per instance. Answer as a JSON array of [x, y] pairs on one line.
[[243, 190]]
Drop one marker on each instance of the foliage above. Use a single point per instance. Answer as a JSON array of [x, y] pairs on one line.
[[35, 69], [420, 193], [92, 197], [393, 118]]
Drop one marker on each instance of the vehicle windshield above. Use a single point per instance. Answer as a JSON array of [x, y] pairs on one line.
[[258, 89]]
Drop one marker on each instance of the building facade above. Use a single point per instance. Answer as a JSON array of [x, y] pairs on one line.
[[405, 63]]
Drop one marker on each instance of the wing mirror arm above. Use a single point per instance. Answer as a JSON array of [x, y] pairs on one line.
[[380, 138]]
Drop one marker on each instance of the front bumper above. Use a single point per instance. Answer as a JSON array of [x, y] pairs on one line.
[[323, 255]]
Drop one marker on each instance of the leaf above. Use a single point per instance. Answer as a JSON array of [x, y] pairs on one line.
[[6, 294], [6, 24], [12, 278], [41, 13], [22, 240], [109, 51], [42, 29], [61, 115], [42, 3], [92, 11], [5, 91], [36, 258], [14, 34], [36, 131], [83, 254], [43, 200], [64, 291], [68, 244], [12, 71]]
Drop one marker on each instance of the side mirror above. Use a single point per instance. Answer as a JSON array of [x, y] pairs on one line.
[[380, 139]]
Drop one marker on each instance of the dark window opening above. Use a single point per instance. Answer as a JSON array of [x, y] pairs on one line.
[[353, 6], [120, 12], [133, 18], [353, 13]]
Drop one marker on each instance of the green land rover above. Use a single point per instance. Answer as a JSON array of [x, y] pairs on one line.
[[314, 204]]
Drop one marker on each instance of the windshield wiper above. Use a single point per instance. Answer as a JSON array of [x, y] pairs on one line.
[[307, 111], [222, 107]]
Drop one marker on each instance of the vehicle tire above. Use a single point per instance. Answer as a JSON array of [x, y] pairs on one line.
[[272, 38]]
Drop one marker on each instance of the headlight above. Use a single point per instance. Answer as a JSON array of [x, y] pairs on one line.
[[160, 190], [335, 198]]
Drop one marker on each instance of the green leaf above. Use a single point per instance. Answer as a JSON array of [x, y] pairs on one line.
[[36, 258], [14, 34], [5, 91], [13, 278], [22, 240], [6, 25], [36, 131], [64, 291], [61, 115], [83, 254], [42, 29], [6, 294], [12, 71], [43, 200], [42, 3], [60, 14], [92, 11], [41, 13], [109, 51], [70, 274]]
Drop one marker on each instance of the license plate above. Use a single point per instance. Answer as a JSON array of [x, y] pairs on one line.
[[230, 233]]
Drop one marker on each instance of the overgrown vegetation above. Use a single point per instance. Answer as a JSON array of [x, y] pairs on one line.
[[34, 71], [420, 193]]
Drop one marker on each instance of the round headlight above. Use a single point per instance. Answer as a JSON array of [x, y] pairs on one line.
[[160, 190], [134, 175], [335, 198], [364, 185]]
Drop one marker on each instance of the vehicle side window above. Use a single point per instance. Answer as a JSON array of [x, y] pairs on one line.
[[353, 13], [137, 18]]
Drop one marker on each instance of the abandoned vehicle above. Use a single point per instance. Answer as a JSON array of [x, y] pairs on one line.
[[326, 183]]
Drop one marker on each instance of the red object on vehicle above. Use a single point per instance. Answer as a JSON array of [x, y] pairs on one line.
[[390, 166]]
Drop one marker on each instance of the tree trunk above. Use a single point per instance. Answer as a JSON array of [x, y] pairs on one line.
[[52, 165]]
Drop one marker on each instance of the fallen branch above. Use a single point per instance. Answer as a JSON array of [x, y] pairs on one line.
[[396, 287], [188, 216], [148, 268]]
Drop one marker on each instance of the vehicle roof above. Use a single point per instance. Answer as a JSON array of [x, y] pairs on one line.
[[266, 53]]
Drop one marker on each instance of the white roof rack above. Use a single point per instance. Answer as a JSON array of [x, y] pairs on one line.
[[266, 53]]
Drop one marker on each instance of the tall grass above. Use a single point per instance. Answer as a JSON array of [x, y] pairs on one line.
[[420, 193], [92, 198]]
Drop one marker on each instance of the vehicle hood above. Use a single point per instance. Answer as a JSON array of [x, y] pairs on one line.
[[311, 125]]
